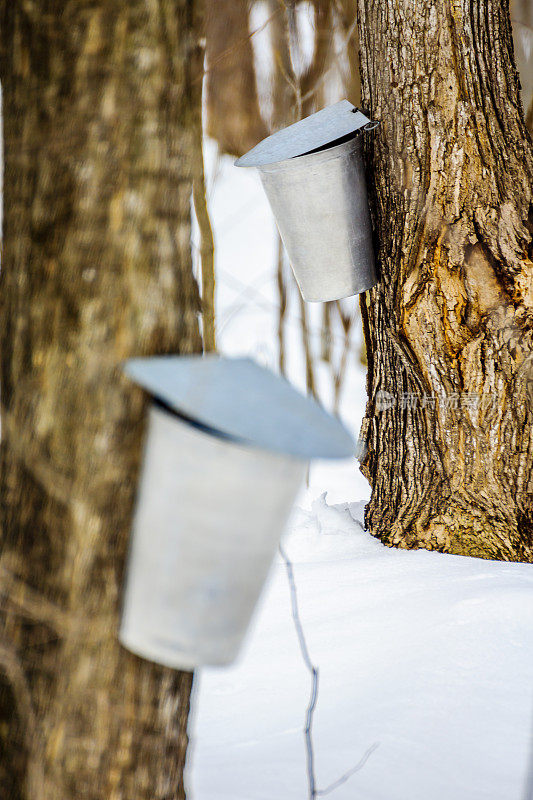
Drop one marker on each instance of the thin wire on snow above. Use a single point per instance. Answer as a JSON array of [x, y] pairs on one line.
[[313, 697]]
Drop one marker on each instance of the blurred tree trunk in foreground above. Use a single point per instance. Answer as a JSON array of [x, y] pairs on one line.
[[449, 327], [233, 116], [98, 99]]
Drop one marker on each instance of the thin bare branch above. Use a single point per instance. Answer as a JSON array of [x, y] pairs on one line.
[[306, 342], [282, 295], [207, 247]]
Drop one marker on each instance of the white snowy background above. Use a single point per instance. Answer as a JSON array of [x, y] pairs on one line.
[[428, 656]]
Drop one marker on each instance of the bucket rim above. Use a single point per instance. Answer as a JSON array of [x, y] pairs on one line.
[[315, 131], [214, 436], [244, 401], [315, 157]]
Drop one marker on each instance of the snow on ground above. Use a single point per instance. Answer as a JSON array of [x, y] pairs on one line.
[[427, 655]]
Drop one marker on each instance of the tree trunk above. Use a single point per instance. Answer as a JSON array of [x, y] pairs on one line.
[[346, 14], [233, 116], [98, 99], [449, 421]]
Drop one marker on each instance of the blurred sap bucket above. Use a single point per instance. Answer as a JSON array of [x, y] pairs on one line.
[[209, 517], [212, 504], [313, 175]]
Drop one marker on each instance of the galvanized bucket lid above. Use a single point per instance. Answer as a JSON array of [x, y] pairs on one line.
[[238, 398], [316, 131]]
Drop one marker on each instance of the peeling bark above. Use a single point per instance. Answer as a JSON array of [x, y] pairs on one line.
[[98, 102], [451, 319]]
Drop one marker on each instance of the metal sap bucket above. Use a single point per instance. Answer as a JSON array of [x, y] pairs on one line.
[[313, 175], [218, 482]]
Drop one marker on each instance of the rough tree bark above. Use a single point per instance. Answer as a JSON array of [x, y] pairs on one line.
[[98, 98], [450, 322]]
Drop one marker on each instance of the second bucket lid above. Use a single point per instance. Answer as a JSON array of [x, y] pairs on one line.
[[318, 130], [239, 398]]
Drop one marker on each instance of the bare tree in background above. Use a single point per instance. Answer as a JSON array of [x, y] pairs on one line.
[[298, 83], [449, 423], [522, 19], [99, 102], [233, 116], [296, 93]]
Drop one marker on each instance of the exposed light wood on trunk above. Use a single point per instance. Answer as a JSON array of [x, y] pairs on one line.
[[98, 99], [452, 168]]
